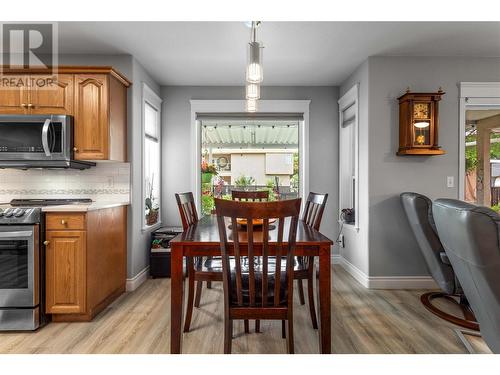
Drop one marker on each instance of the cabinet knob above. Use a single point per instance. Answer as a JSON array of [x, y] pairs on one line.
[[75, 149], [63, 222], [46, 243], [30, 105], [24, 105]]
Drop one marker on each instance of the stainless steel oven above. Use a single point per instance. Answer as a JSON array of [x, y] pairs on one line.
[[38, 141], [20, 269]]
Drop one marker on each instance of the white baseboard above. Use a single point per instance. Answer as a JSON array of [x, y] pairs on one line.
[[354, 271], [136, 281], [387, 282]]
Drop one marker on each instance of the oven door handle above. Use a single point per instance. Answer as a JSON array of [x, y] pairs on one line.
[[24, 233], [45, 137]]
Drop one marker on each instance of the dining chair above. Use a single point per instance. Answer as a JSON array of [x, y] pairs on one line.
[[257, 286], [255, 196], [250, 196], [199, 269], [304, 266]]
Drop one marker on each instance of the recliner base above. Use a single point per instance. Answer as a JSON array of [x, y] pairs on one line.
[[468, 321]]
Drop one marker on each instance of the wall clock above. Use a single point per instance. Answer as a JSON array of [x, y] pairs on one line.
[[419, 123]]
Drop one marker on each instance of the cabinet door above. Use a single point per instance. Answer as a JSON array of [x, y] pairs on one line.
[[14, 100], [91, 117], [65, 256], [56, 98]]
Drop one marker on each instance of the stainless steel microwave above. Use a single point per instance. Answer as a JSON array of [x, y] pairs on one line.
[[38, 141]]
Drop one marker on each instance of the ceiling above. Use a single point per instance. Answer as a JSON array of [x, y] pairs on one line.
[[296, 53], [481, 114]]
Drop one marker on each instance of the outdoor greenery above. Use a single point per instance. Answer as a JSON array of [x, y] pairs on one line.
[[471, 151], [244, 181], [496, 207]]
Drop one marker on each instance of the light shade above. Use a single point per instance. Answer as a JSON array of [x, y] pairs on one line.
[[253, 91], [251, 105], [421, 124], [254, 64]]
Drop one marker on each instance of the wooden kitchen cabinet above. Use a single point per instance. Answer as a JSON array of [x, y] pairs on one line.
[[65, 257], [55, 99], [100, 118], [86, 261], [13, 101], [95, 96]]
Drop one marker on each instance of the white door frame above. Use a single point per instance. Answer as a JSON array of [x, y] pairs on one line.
[[473, 95], [238, 106]]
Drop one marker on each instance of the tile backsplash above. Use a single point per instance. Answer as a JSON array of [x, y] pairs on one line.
[[106, 182]]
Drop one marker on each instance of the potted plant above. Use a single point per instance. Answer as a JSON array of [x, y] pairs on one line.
[[207, 172], [152, 209]]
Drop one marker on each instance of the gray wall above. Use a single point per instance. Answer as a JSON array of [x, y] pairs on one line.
[[356, 242], [137, 254], [323, 139], [393, 250]]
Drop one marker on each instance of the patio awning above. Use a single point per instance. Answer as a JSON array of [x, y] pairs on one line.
[[250, 133]]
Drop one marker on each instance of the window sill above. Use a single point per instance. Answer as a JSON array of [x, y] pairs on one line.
[[151, 228]]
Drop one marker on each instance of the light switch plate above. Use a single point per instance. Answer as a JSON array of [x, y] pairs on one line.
[[450, 181]]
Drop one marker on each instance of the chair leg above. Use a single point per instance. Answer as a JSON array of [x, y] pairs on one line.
[[301, 291], [310, 295], [189, 311], [257, 326], [247, 326], [228, 335], [199, 285], [283, 330], [209, 285], [289, 342]]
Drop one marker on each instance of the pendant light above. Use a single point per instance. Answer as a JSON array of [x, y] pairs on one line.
[[251, 105], [254, 72]]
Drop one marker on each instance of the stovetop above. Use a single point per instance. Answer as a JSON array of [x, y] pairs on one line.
[[29, 211], [48, 202]]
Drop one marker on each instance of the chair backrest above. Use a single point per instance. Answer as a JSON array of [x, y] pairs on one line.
[[313, 211], [268, 281], [187, 209], [418, 209], [471, 238], [256, 196]]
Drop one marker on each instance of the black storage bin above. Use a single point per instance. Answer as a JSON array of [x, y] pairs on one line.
[[159, 257]]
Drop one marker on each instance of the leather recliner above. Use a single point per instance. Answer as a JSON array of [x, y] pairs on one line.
[[471, 238], [418, 209]]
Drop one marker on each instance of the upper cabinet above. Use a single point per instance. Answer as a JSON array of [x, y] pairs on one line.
[[95, 96], [56, 99]]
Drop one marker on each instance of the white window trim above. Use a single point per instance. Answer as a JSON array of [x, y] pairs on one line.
[[349, 99], [238, 106], [473, 95], [150, 97]]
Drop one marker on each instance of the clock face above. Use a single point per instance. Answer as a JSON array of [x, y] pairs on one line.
[[421, 111]]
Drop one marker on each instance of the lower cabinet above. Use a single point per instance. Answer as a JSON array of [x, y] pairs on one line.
[[85, 257], [65, 265]]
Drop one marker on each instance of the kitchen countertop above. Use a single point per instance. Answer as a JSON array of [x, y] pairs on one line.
[[83, 207]]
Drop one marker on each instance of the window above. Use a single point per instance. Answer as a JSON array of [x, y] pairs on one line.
[[151, 121], [249, 154], [348, 150]]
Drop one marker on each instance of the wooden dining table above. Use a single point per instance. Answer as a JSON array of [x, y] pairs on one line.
[[202, 239]]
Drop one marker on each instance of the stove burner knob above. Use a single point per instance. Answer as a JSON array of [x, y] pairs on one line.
[[9, 212], [19, 212]]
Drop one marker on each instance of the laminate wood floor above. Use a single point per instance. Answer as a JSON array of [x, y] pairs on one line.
[[363, 321]]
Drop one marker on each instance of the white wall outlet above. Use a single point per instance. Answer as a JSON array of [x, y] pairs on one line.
[[450, 181]]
